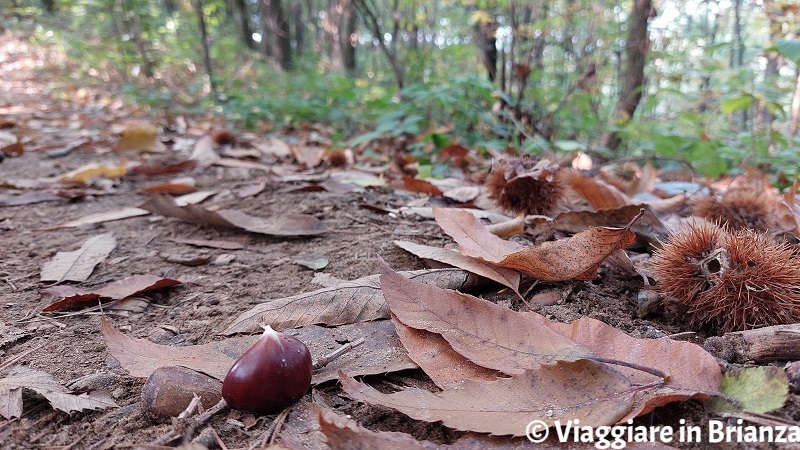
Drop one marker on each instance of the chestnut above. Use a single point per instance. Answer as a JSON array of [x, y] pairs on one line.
[[273, 373]]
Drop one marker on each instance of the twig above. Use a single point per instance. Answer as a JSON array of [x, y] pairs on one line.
[[678, 336], [189, 425], [325, 360], [651, 370], [279, 424], [218, 439], [272, 429], [15, 358]]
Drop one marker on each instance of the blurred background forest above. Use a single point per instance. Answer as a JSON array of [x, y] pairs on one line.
[[713, 82]]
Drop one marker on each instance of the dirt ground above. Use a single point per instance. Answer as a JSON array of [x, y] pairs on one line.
[[70, 345]]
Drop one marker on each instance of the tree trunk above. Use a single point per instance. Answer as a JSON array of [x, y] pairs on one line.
[[49, 6], [795, 122], [276, 41], [299, 27], [369, 17], [636, 48], [486, 41], [340, 25], [241, 18], [201, 22]]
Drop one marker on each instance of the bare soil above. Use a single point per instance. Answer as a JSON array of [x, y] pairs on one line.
[[71, 347]]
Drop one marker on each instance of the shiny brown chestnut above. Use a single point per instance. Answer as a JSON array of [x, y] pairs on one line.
[[271, 375]]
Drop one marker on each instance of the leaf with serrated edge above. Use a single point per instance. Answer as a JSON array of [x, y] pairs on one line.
[[79, 265], [506, 277], [48, 386], [354, 301], [488, 334], [694, 373], [591, 392]]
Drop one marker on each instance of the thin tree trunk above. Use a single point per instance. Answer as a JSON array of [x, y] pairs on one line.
[[370, 19], [299, 27], [242, 19], [795, 122], [486, 41], [276, 41], [633, 79], [201, 22]]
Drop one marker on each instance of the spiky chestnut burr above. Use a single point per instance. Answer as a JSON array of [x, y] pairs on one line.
[[728, 280], [526, 185], [738, 209]]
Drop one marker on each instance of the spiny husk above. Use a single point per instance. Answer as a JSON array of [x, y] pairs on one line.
[[728, 280]]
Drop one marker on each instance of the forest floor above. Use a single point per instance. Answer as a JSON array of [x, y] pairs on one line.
[[49, 113]]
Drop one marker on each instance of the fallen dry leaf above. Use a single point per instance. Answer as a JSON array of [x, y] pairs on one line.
[[649, 227], [125, 213], [203, 151], [598, 193], [153, 168], [462, 194], [71, 297], [343, 433], [583, 390], [308, 155], [139, 138], [354, 301], [420, 186], [576, 257], [488, 334], [382, 351], [507, 277], [79, 265], [474, 239], [14, 149], [273, 147], [21, 377], [436, 357], [694, 373], [93, 170], [284, 225]]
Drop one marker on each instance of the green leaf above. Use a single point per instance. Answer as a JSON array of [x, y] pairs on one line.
[[569, 146], [758, 389], [790, 49], [717, 47], [740, 103]]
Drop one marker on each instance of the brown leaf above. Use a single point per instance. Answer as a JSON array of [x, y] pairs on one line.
[[648, 226], [139, 138], [488, 334], [343, 433], [285, 225], [474, 239], [354, 301], [79, 265], [584, 390], [239, 164], [125, 213], [169, 188], [506, 277], [203, 152], [644, 181], [598, 193], [152, 168], [308, 155], [462, 194], [421, 186], [380, 353], [576, 257], [71, 297], [47, 385], [14, 149], [436, 357], [693, 371]]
